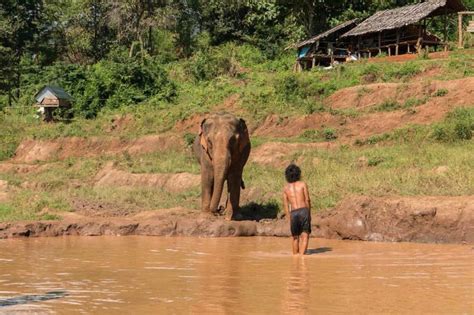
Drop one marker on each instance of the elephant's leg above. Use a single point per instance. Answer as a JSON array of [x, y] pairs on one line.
[[234, 183], [207, 184]]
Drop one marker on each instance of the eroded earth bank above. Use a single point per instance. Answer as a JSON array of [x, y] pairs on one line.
[[401, 219]]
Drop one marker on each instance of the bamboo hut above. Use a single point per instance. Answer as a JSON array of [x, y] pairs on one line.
[[324, 48], [401, 30]]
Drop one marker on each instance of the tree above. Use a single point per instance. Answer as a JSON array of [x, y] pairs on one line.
[[24, 31]]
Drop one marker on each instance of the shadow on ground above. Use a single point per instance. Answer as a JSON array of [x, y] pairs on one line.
[[320, 250], [25, 299], [258, 211]]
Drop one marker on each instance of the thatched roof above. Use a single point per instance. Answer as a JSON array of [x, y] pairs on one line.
[[341, 27], [410, 14]]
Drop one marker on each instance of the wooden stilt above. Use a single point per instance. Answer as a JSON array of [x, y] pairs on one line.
[[398, 42], [460, 39], [380, 42], [420, 39], [48, 114]]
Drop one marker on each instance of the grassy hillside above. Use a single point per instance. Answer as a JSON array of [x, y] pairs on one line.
[[426, 149]]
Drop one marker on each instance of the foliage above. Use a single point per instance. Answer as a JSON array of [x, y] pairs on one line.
[[458, 126], [440, 92]]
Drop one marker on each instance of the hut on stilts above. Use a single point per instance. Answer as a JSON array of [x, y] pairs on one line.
[[403, 30], [50, 98]]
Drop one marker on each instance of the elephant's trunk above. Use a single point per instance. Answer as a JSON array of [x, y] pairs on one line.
[[221, 169]]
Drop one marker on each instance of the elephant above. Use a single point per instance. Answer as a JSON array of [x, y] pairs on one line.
[[222, 148]]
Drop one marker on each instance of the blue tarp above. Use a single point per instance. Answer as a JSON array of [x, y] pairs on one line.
[[303, 51]]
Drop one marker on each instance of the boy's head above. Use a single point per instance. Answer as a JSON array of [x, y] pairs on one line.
[[292, 173]]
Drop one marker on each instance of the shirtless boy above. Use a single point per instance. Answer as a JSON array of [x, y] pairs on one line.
[[297, 205]]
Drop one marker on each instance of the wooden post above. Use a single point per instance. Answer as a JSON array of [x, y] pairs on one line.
[[313, 64], [445, 35], [418, 42], [460, 39], [380, 42], [398, 42], [48, 114]]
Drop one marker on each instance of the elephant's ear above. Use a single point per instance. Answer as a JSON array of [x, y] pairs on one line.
[[244, 135], [202, 138]]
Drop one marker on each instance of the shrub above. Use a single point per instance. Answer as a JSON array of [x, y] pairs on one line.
[[405, 70], [208, 64], [440, 92], [458, 125], [329, 134], [412, 102], [386, 106], [287, 86], [189, 139], [313, 107], [311, 134], [374, 161], [463, 131]]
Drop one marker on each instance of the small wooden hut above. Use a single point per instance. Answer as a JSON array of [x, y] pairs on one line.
[[401, 30], [50, 98], [325, 48]]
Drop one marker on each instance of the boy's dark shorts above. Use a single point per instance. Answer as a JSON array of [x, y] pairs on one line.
[[300, 221]]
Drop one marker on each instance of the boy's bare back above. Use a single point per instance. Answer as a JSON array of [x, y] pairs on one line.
[[296, 196]]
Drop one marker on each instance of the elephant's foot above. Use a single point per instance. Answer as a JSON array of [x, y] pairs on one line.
[[233, 215], [207, 214]]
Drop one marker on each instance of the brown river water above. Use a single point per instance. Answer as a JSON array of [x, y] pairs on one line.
[[150, 275]]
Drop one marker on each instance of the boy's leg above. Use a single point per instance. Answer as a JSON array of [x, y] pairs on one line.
[[296, 244], [304, 243]]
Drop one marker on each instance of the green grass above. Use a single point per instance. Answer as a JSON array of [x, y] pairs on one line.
[[396, 170]]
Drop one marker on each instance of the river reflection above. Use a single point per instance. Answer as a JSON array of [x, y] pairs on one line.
[[149, 275], [296, 298]]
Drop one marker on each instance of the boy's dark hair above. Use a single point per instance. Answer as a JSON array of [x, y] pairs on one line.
[[292, 173]]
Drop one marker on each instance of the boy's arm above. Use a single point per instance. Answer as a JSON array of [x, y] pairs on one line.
[[285, 205], [306, 196]]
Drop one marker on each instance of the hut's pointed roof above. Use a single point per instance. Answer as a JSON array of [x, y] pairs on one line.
[[340, 27], [55, 90], [410, 14]]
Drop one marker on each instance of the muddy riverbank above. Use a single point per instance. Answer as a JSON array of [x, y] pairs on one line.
[[397, 219]]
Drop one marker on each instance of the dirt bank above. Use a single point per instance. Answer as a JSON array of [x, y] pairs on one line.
[[111, 177], [430, 219], [363, 98], [280, 154], [394, 219], [37, 150]]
